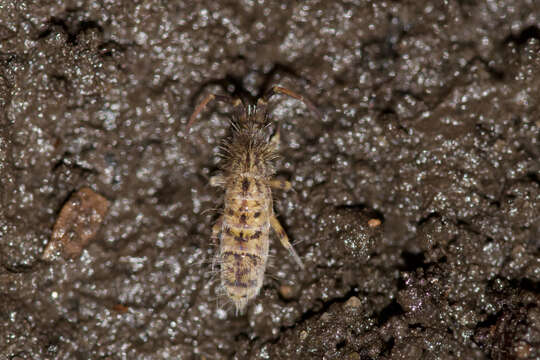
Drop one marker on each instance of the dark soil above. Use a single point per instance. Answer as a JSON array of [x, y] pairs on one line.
[[431, 124]]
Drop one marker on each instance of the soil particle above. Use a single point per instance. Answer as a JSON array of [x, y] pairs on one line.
[[430, 126], [78, 222]]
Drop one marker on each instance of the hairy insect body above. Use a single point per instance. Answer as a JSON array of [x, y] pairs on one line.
[[248, 175], [248, 210], [244, 238]]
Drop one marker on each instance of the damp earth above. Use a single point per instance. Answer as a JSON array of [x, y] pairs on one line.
[[430, 125]]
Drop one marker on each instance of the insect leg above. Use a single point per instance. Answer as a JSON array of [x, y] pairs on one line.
[[217, 181], [281, 90], [280, 184], [216, 230], [285, 240], [274, 141]]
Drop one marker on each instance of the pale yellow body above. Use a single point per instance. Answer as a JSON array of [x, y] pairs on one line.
[[243, 232], [244, 240]]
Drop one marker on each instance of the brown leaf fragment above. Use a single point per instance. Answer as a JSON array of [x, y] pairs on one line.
[[78, 222]]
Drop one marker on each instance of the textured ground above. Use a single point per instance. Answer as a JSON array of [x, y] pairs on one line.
[[431, 124]]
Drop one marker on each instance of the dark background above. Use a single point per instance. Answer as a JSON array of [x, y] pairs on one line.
[[431, 124]]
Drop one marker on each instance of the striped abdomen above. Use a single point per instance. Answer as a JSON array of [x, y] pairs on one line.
[[244, 238]]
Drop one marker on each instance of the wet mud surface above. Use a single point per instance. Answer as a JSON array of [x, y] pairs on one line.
[[431, 124]]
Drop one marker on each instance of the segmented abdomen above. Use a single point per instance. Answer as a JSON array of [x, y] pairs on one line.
[[244, 238]]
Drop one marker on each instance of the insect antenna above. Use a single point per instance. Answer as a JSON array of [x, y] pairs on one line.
[[263, 100], [235, 102]]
